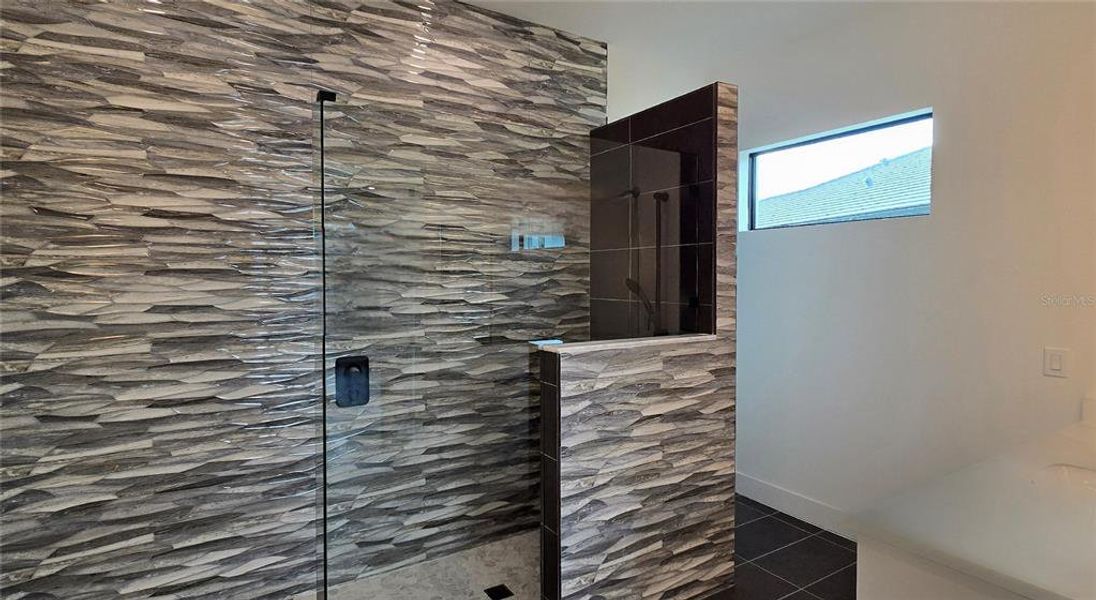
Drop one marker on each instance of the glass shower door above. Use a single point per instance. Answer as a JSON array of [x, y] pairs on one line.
[[428, 294], [374, 252]]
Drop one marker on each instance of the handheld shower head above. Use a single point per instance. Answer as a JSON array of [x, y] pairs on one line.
[[634, 287]]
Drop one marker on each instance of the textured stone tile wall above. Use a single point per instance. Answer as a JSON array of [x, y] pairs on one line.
[[726, 216], [457, 231], [638, 443], [646, 470], [160, 419]]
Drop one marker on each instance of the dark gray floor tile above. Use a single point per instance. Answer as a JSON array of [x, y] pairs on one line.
[[754, 504], [752, 583], [801, 595], [805, 526], [744, 513], [839, 540], [839, 586], [765, 535], [807, 561]]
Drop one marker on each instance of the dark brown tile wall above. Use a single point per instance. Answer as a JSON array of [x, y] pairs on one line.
[[652, 186], [549, 474]]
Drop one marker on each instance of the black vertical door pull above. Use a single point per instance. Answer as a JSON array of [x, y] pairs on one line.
[[352, 381]]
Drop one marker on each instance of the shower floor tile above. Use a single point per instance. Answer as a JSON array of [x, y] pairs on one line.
[[790, 572], [513, 562]]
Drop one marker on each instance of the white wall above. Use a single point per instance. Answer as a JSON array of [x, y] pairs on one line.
[[873, 355], [876, 354]]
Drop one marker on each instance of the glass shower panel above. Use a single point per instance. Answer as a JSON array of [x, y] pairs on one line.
[[376, 256], [450, 243]]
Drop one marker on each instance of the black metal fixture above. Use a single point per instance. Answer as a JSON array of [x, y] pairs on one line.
[[352, 381], [321, 97]]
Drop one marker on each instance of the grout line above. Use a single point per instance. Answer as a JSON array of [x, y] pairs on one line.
[[627, 193], [832, 543], [755, 502], [809, 536], [653, 135], [817, 534], [670, 304], [738, 524], [829, 575], [697, 183], [631, 320], [778, 514], [795, 585], [803, 539], [665, 131], [804, 590], [798, 587], [664, 246]]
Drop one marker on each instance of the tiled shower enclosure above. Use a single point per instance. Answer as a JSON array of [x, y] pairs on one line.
[[452, 237], [162, 409]]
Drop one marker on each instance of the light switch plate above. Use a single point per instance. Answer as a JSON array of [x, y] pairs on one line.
[[1056, 362]]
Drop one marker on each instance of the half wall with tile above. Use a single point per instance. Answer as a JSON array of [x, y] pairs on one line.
[[160, 409], [637, 442]]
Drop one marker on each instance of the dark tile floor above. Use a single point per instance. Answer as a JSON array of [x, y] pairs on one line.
[[779, 557]]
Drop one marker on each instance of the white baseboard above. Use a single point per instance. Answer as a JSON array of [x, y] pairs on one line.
[[808, 509]]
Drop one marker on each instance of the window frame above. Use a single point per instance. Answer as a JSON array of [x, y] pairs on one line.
[[748, 186]]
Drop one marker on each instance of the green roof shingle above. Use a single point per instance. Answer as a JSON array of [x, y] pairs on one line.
[[896, 187]]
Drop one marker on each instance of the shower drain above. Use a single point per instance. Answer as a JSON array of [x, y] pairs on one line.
[[498, 592]]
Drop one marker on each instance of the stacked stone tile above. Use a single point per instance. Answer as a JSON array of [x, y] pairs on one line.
[[160, 414]]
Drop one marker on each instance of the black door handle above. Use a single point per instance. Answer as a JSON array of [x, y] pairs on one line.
[[352, 381]]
